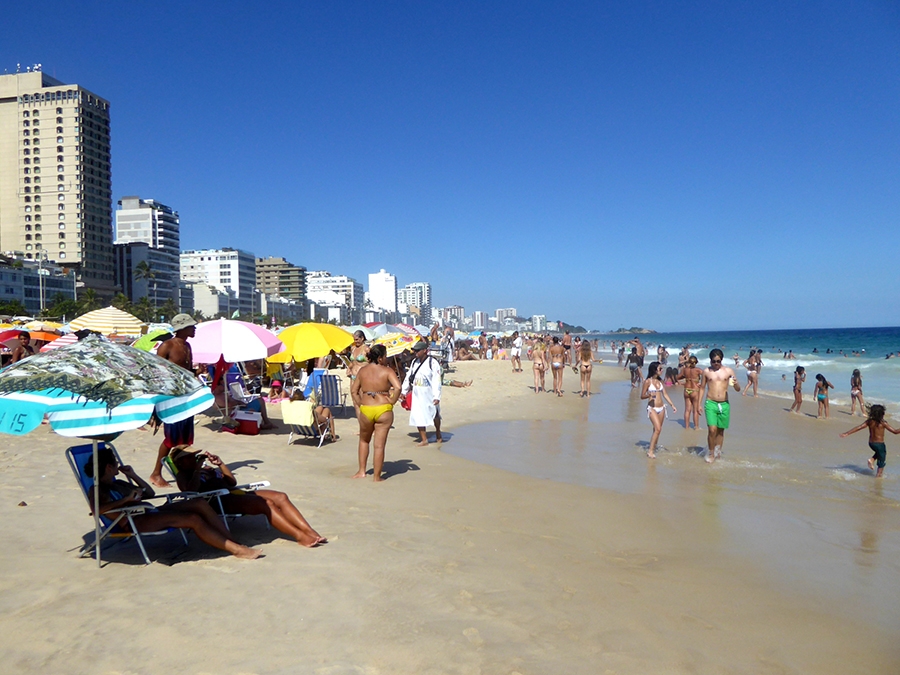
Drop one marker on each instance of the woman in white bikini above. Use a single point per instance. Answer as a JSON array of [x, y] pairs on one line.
[[856, 395], [752, 366], [359, 350], [654, 392]]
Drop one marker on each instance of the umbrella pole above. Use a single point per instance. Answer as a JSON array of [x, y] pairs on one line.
[[96, 503]]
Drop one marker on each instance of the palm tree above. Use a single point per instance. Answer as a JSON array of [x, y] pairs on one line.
[[143, 271], [88, 301]]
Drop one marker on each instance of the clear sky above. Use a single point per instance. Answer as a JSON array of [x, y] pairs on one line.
[[675, 165]]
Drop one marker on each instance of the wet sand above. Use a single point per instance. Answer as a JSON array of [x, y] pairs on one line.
[[453, 566]]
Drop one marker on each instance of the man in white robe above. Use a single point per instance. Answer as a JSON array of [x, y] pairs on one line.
[[424, 377]]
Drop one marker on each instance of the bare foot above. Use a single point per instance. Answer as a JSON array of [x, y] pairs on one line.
[[378, 479], [421, 444], [266, 427], [247, 553], [438, 438], [159, 481], [872, 463], [651, 455], [359, 474]]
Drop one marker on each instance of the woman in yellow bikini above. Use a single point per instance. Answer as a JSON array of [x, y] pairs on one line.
[[692, 377], [375, 391]]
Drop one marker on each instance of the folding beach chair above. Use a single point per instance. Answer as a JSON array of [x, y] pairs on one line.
[[300, 416], [240, 394], [215, 496], [331, 393], [80, 455]]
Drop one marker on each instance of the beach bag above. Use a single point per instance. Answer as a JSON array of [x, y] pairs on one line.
[[406, 403]]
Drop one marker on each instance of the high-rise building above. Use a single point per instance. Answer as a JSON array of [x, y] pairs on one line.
[[277, 277], [148, 231], [226, 269], [539, 323], [383, 291], [55, 179], [455, 314], [416, 295], [321, 284], [480, 320], [507, 313]]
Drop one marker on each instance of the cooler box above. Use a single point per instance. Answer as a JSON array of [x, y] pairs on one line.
[[248, 422]]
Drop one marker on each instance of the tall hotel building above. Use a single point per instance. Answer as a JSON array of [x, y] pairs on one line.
[[148, 231], [383, 291], [55, 180]]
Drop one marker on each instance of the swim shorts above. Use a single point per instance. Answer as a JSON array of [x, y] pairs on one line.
[[718, 414], [880, 451], [179, 433]]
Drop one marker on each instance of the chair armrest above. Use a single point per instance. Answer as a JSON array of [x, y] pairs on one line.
[[127, 510], [173, 496]]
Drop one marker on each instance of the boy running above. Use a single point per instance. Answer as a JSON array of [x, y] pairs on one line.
[[876, 425]]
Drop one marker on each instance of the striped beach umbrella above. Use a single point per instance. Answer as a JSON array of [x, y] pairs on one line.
[[67, 339], [107, 321]]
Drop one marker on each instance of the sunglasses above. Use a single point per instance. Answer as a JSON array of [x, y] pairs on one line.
[[715, 360]]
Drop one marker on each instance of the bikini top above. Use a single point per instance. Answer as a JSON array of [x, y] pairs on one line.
[[359, 357], [654, 390]]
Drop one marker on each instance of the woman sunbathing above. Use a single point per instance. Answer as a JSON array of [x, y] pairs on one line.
[[193, 476], [192, 514]]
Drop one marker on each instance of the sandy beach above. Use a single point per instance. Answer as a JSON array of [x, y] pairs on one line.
[[456, 566]]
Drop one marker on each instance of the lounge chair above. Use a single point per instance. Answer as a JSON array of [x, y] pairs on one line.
[[78, 456], [216, 495], [300, 415], [331, 394]]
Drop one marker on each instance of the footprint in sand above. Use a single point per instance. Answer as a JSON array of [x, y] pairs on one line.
[[473, 636]]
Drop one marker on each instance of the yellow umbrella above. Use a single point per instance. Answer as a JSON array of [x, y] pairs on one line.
[[396, 343], [107, 321], [305, 341]]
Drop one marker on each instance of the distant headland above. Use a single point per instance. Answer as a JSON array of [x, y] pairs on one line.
[[632, 330]]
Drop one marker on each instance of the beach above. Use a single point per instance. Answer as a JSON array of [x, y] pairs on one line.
[[538, 539]]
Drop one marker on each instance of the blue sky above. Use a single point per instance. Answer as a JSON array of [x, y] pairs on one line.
[[678, 166]]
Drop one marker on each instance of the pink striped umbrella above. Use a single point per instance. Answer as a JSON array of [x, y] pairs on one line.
[[67, 339], [233, 341]]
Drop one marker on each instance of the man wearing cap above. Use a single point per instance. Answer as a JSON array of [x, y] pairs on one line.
[[424, 378], [177, 350]]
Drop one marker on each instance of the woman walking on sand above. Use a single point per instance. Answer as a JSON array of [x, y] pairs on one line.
[[693, 378], [799, 379], [654, 391], [586, 363], [752, 367], [856, 394], [821, 392], [538, 365]]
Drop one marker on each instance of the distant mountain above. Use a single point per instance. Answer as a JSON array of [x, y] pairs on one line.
[[633, 330]]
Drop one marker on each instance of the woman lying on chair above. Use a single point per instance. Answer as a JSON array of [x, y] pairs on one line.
[[192, 514], [192, 476], [324, 417]]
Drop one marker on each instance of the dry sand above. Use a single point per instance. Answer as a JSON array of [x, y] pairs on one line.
[[447, 567]]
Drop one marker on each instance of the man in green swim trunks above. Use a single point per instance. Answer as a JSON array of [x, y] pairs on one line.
[[717, 378]]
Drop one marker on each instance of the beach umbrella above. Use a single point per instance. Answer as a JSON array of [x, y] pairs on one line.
[[397, 343], [380, 329], [95, 388], [304, 341], [406, 329], [232, 341], [107, 321], [367, 332], [422, 330], [67, 339], [148, 342], [47, 326], [10, 338]]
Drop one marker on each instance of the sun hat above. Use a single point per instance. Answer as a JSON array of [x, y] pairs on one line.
[[420, 345], [180, 321], [276, 383]]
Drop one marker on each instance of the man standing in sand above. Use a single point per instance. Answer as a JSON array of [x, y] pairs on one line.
[[557, 364], [515, 353], [717, 379], [567, 346], [176, 350], [425, 381]]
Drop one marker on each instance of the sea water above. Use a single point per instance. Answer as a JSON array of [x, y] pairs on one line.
[[850, 348]]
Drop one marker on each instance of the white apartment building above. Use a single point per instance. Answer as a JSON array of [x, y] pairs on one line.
[[55, 179], [480, 320], [146, 221], [416, 296], [383, 291], [226, 269], [508, 313], [454, 314], [321, 284], [539, 323]]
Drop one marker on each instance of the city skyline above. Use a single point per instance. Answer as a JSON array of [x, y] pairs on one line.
[[546, 157]]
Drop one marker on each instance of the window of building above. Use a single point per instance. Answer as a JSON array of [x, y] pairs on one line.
[[37, 228], [58, 119], [27, 199], [37, 218], [27, 219], [60, 158], [37, 237], [27, 190], [59, 148], [26, 151], [62, 235], [27, 171], [26, 114], [60, 168], [62, 216], [27, 237], [25, 132], [37, 170], [37, 161], [37, 189], [37, 141], [59, 111], [37, 199], [28, 228], [62, 226], [26, 142], [27, 160], [62, 254], [26, 123], [28, 248], [59, 130], [59, 139], [36, 132], [61, 207], [37, 208], [27, 209], [27, 181], [61, 198], [37, 247], [36, 114]]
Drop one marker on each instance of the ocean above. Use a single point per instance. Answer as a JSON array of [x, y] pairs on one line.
[[881, 376]]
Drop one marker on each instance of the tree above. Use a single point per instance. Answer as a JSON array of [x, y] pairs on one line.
[[121, 301], [169, 309], [143, 310], [13, 308], [60, 306], [143, 271], [89, 301]]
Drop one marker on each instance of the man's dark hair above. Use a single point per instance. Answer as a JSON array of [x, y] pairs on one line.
[[717, 352]]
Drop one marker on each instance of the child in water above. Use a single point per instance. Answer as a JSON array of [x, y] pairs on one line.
[[876, 425]]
